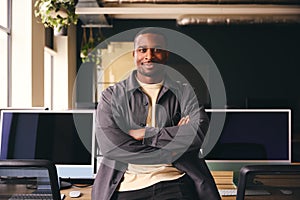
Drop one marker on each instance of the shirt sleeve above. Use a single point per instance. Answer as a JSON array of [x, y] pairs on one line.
[[113, 140], [180, 139]]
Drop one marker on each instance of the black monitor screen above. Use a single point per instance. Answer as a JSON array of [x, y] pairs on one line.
[[62, 137], [254, 135]]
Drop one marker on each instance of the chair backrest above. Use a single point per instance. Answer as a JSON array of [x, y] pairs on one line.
[[269, 182], [38, 177]]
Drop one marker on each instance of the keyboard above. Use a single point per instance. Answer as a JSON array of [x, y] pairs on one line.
[[233, 192], [31, 196], [227, 192]]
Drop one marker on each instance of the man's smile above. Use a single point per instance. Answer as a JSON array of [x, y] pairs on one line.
[[148, 65]]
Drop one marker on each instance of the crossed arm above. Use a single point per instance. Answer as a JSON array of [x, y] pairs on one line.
[[148, 145], [139, 134]]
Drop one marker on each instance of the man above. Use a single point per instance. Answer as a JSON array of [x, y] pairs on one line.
[[150, 130]]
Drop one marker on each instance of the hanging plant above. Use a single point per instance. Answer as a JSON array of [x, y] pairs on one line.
[[57, 14], [88, 53]]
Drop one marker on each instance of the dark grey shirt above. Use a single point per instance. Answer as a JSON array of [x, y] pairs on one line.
[[124, 106]]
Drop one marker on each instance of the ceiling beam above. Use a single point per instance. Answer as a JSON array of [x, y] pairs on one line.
[[174, 11]]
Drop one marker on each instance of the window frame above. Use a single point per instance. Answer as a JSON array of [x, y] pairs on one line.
[[7, 30]]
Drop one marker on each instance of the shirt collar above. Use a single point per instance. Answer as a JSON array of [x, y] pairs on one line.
[[132, 83]]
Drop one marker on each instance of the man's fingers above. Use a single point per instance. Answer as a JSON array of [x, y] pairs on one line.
[[183, 120]]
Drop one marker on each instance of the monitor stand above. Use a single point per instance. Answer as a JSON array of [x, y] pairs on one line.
[[64, 184]]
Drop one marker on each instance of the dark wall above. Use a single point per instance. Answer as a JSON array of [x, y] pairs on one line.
[[259, 64]]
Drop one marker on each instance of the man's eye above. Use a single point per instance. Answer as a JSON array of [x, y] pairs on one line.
[[156, 50], [142, 50], [153, 50]]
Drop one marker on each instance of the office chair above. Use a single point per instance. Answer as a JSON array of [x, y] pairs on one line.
[[269, 182], [23, 179]]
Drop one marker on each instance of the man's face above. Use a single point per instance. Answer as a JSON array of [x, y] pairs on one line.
[[149, 55]]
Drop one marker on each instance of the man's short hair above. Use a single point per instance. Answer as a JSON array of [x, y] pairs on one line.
[[153, 30]]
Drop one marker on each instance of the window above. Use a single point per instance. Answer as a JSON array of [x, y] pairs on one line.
[[4, 13], [5, 51]]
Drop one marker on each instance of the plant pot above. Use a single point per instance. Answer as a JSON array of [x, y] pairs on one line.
[[61, 31]]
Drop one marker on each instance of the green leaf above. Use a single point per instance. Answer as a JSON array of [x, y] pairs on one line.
[[51, 20]]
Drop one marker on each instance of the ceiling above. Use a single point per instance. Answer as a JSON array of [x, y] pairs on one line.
[[186, 12]]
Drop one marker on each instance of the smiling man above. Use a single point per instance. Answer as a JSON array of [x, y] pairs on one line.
[[150, 129], [150, 57]]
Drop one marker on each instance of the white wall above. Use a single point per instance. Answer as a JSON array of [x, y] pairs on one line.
[[27, 56], [28, 80], [64, 69]]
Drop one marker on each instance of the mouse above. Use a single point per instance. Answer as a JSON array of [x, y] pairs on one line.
[[286, 192], [74, 194]]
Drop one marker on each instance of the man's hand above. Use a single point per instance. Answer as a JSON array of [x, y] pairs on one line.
[[183, 121], [137, 134]]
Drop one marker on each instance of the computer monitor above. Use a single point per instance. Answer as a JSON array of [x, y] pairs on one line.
[[63, 137], [251, 136]]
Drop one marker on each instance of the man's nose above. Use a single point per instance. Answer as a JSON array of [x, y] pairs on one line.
[[149, 53]]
